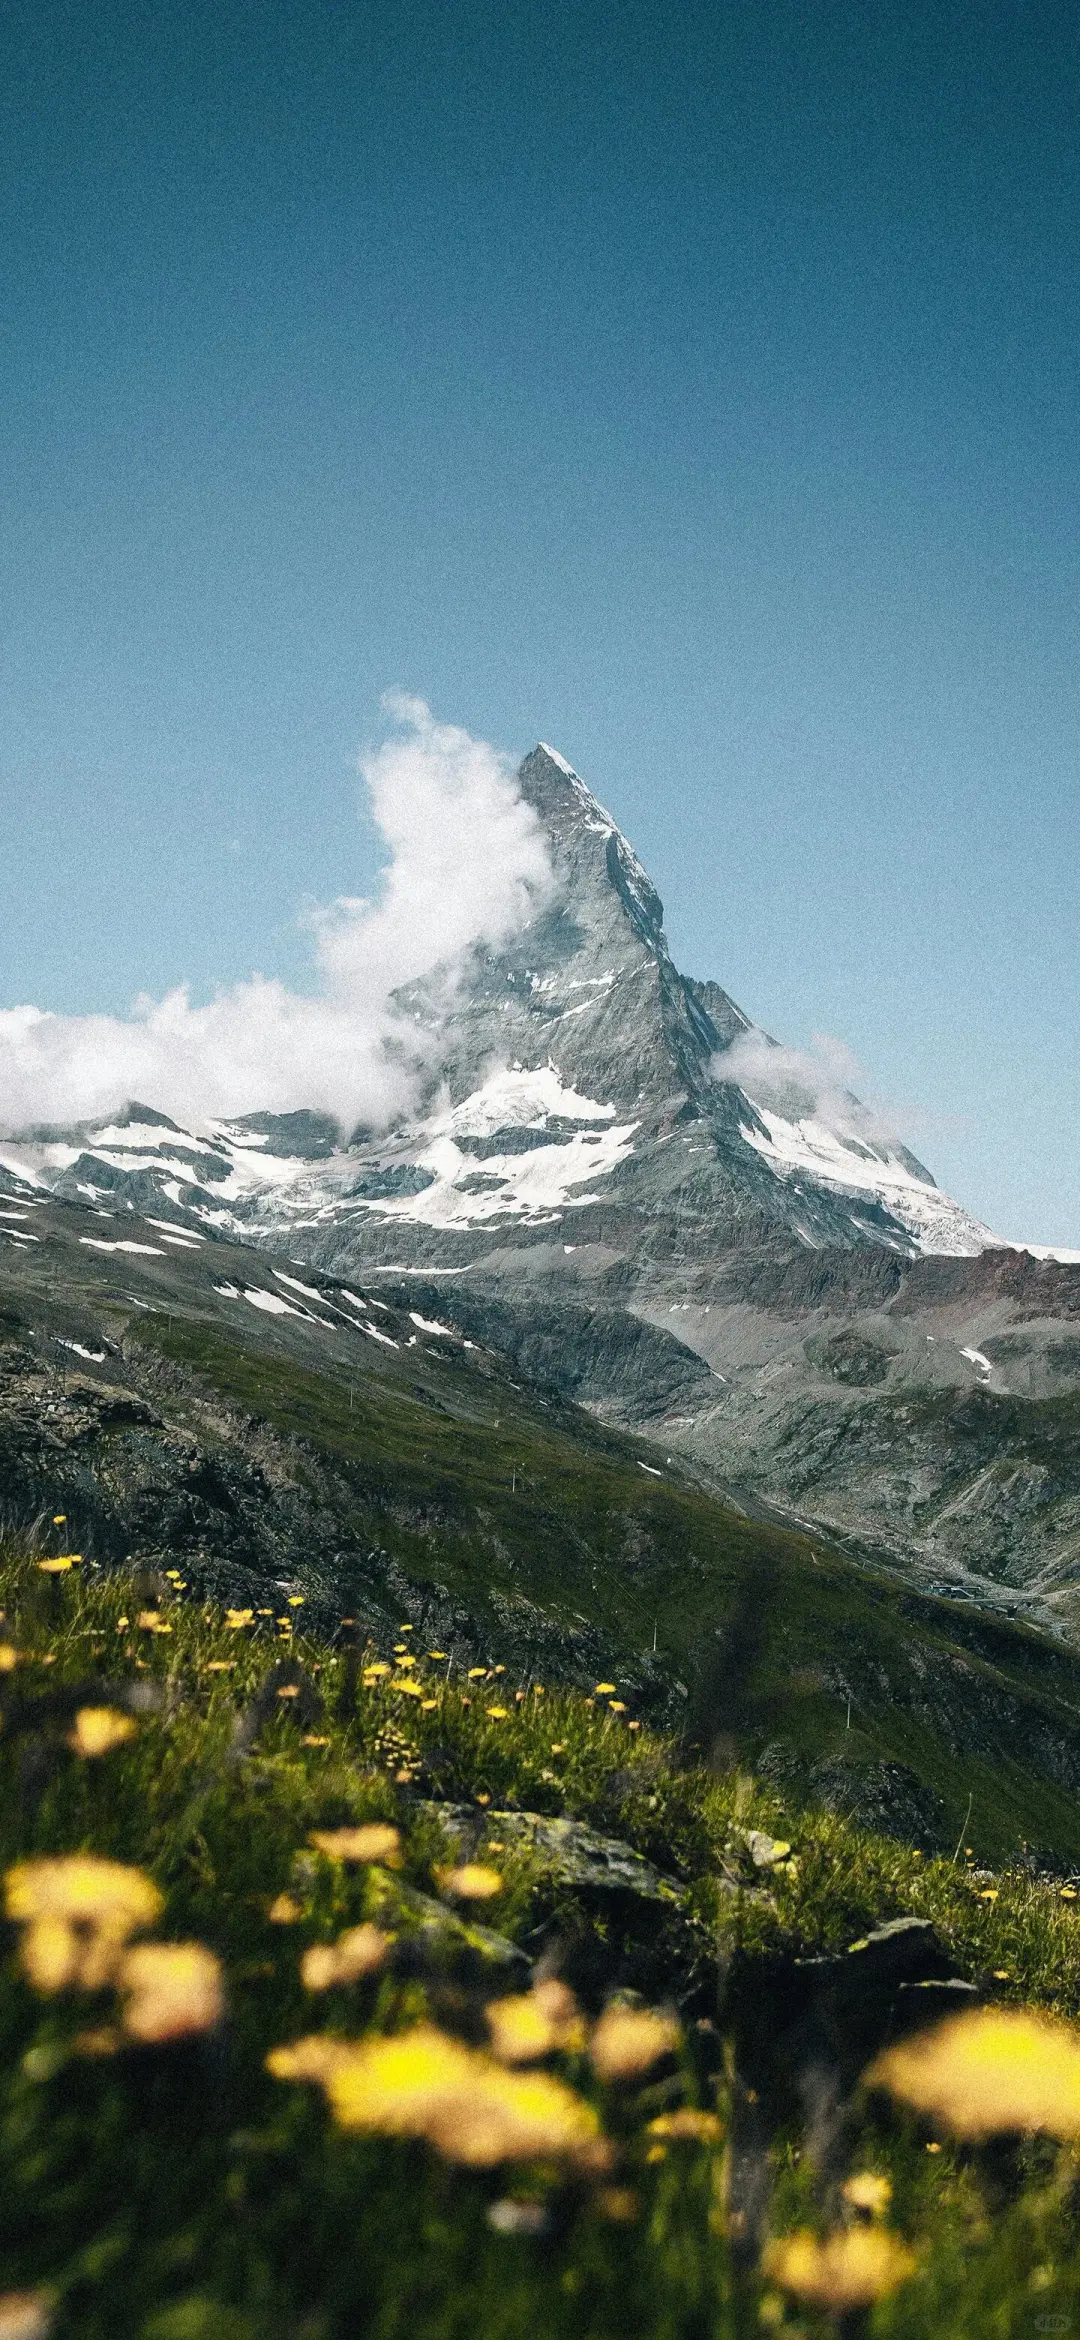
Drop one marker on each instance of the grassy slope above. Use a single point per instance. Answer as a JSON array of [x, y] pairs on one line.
[[181, 2194], [523, 1514]]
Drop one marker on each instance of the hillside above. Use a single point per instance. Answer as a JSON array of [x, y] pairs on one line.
[[189, 1404]]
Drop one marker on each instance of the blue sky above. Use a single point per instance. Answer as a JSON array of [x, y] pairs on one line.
[[693, 387]]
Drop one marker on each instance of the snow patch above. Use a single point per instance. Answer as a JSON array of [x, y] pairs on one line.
[[936, 1223]]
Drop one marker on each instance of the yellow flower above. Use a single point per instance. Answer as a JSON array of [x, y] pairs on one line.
[[628, 2041], [994, 2069], [868, 2191], [473, 1881], [98, 1729], [604, 1690], [524, 2028], [405, 1658], [284, 1910], [702, 2127], [171, 1989], [497, 1713], [848, 2270], [61, 1564], [558, 1747], [374, 1673], [406, 1688], [79, 1913], [235, 1618], [437, 1653], [617, 1705], [25, 2315], [428, 1705], [377, 1841], [296, 1600], [9, 1657], [424, 2084], [219, 1666], [314, 1739], [361, 1950], [148, 1620], [477, 1673], [59, 1518]]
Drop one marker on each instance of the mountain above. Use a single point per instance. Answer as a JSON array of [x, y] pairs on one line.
[[612, 1174], [269, 1435]]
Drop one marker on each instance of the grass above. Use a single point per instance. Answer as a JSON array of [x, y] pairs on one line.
[[180, 2192], [530, 1522]]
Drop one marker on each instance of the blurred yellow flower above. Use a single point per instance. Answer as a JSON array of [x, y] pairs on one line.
[[235, 1618], [473, 1881], [476, 1673], [497, 1713], [406, 1688], [98, 1729], [296, 1600], [25, 2315], [377, 1841], [428, 1705], [148, 1620], [422, 2083], [994, 2069], [604, 1690], [314, 1739], [437, 1653], [702, 2127], [848, 2270], [374, 1673], [868, 2191], [617, 1705], [630, 2040], [219, 1666], [284, 1910], [61, 1564], [59, 1519], [530, 2025], [79, 1913], [359, 1951], [558, 1747], [9, 1657], [170, 1989]]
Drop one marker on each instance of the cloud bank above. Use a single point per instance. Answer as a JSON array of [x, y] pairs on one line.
[[807, 1084], [467, 864]]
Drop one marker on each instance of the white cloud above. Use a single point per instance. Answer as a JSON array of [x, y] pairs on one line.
[[468, 864], [806, 1084]]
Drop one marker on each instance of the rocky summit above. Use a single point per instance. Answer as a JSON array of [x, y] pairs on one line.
[[602, 1176]]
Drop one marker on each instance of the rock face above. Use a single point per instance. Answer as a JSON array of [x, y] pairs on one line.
[[586, 1184]]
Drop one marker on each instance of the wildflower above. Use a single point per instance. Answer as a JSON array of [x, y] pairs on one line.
[[405, 1659], [539, 1690], [994, 2069], [284, 1910], [428, 1705], [990, 1893], [25, 2315], [9, 1657], [1067, 1893], [604, 1690], [617, 1705], [439, 1654], [148, 1620], [219, 1666], [868, 2191], [848, 2270], [473, 1881], [289, 1690], [122, 1624], [477, 1673], [377, 1841], [61, 1564], [98, 1729], [421, 2083], [628, 2041], [79, 1913], [59, 1518], [406, 1688], [171, 1989], [236, 1618], [497, 1713], [524, 2028], [558, 1747], [296, 1600], [359, 1951], [633, 1726], [701, 2127], [314, 1739], [375, 1673]]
